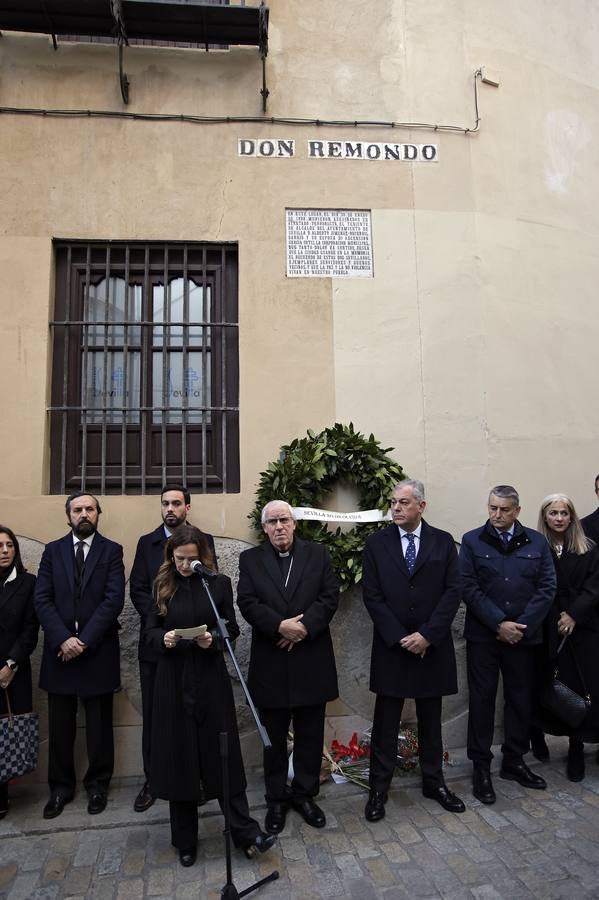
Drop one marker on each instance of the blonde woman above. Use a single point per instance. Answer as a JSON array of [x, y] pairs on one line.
[[575, 614]]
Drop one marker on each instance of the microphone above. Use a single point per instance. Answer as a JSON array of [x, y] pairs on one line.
[[198, 568]]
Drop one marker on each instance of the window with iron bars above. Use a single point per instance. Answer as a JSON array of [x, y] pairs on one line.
[[145, 372]]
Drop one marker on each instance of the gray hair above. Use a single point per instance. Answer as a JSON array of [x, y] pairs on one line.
[[507, 492], [264, 514], [417, 488]]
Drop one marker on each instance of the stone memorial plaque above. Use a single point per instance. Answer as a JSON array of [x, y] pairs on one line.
[[329, 243]]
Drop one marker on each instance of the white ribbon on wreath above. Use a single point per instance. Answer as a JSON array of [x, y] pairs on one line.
[[328, 515]]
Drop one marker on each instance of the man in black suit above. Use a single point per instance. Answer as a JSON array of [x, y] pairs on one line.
[[78, 596], [288, 593], [411, 591], [590, 523], [175, 504]]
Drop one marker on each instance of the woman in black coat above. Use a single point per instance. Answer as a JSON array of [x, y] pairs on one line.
[[18, 634], [193, 699], [575, 614]]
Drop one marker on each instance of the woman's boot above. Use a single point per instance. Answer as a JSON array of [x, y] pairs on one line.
[[4, 804], [575, 765]]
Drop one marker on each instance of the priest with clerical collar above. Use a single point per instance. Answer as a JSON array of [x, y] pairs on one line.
[[288, 593]]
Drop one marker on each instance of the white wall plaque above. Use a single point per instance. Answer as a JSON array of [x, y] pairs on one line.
[[329, 243]]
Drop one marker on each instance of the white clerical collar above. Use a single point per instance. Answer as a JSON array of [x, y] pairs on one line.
[[416, 531], [282, 554]]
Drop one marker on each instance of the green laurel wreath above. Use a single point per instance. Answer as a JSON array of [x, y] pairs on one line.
[[308, 468]]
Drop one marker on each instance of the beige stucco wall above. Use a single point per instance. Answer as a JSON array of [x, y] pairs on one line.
[[469, 351]]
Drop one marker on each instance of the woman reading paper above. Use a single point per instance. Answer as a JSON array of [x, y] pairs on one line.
[[193, 699]]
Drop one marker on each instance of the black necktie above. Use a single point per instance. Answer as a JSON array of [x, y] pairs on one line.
[[80, 558]]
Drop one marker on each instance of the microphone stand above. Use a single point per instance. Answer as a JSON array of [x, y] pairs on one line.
[[229, 891]]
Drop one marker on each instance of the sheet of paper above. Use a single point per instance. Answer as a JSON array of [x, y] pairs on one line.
[[339, 779], [190, 633]]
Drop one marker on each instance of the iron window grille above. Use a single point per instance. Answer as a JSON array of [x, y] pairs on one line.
[[145, 42], [145, 370]]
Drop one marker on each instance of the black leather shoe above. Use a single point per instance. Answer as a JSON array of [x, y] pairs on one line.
[[261, 843], [275, 818], [55, 806], [538, 745], [446, 798], [575, 763], [96, 803], [482, 786], [144, 799], [374, 810], [188, 856], [521, 773], [310, 813]]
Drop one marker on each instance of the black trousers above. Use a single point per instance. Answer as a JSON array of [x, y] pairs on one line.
[[308, 738], [184, 822], [484, 663], [383, 745], [147, 677], [62, 726]]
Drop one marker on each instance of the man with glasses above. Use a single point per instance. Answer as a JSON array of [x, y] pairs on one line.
[[288, 593]]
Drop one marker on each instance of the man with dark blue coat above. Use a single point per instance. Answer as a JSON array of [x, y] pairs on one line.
[[175, 504], [411, 591], [508, 585], [78, 597]]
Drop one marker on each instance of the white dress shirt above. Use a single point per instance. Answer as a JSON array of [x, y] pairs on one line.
[[87, 542], [404, 539]]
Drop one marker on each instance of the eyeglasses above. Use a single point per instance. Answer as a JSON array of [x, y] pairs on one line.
[[284, 520]]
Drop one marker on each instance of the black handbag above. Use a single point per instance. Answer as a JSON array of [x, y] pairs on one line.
[[561, 701]]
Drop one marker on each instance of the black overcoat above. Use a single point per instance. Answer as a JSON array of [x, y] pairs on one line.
[[193, 697], [97, 670], [400, 604], [148, 559], [18, 638], [305, 676], [590, 525], [578, 595]]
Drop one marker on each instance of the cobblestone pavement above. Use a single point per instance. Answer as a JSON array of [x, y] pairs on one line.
[[530, 844]]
